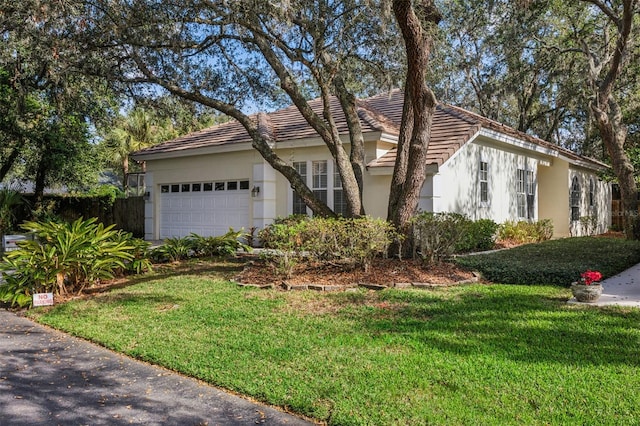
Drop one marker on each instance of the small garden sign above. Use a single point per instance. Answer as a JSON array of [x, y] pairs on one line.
[[43, 299]]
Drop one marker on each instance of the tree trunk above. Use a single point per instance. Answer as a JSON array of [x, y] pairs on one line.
[[614, 133], [606, 110], [417, 116], [357, 155], [326, 128], [8, 162], [39, 183]]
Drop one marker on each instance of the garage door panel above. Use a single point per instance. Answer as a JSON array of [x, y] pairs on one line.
[[203, 213]]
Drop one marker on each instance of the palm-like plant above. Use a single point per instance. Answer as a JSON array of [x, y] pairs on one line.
[[131, 133], [65, 257], [9, 201]]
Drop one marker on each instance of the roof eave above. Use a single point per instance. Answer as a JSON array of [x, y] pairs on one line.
[[518, 143], [244, 146], [190, 152]]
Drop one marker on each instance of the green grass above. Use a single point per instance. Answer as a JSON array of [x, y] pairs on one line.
[[556, 262], [476, 354]]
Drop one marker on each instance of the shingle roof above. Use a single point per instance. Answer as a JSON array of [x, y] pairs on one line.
[[452, 128], [283, 125]]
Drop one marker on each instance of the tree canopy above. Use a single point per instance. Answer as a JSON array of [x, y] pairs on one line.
[[565, 72]]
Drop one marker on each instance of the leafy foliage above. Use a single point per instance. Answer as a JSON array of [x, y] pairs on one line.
[[175, 249], [479, 235], [526, 232], [223, 245], [286, 238], [172, 250], [66, 257], [558, 262], [354, 242], [436, 235], [9, 201], [141, 260]]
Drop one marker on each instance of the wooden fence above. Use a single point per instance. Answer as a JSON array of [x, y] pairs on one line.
[[126, 213], [617, 214]]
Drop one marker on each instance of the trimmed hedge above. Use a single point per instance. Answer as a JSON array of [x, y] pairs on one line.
[[437, 236], [355, 242], [558, 262]]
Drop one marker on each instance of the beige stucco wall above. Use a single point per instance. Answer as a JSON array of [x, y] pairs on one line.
[[554, 205], [456, 187], [226, 165], [596, 218], [376, 188]]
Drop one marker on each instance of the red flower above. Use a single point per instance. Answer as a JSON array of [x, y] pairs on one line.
[[590, 277]]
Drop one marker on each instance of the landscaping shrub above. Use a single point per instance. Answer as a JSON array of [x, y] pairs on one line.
[[479, 235], [141, 261], [523, 232], [354, 242], [222, 245], [285, 237], [436, 235], [172, 250], [357, 241], [558, 262], [175, 249], [64, 257]]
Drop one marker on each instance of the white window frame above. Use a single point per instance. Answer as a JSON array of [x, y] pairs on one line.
[[320, 170], [521, 195], [483, 181], [332, 181], [575, 198], [338, 189], [296, 201], [525, 193]]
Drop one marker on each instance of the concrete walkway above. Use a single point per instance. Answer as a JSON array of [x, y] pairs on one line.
[[621, 290], [50, 378]]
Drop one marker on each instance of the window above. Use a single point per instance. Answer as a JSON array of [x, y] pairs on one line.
[[164, 189], [531, 194], [232, 185], [319, 179], [244, 184], [207, 186], [520, 193], [175, 188], [325, 183], [592, 190], [525, 193], [339, 201], [575, 199], [219, 186], [196, 187], [298, 205], [484, 182], [186, 187]]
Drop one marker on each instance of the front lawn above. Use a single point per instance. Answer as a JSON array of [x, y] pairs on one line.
[[473, 354]]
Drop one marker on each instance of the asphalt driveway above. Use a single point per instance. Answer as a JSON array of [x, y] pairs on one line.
[[50, 378]]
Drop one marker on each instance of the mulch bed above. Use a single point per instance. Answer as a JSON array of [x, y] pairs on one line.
[[385, 272]]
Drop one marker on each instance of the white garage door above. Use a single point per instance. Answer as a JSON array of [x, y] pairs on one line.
[[204, 208]]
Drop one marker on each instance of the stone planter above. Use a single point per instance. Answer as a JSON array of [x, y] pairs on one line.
[[586, 293]]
